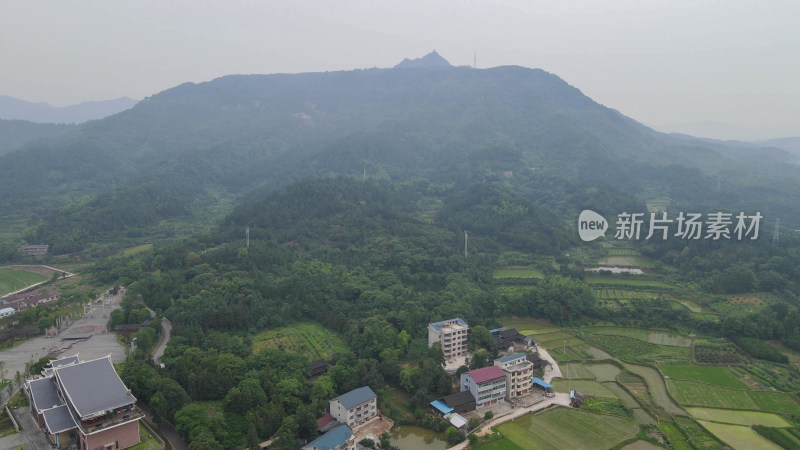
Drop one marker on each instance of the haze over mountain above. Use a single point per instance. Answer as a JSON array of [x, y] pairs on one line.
[[16, 109], [192, 151], [15, 134]]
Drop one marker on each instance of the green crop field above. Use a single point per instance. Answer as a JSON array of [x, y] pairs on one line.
[[562, 428], [527, 326], [588, 387], [737, 417], [737, 436], [656, 388], [12, 279], [518, 272], [676, 438], [138, 249], [604, 372], [623, 252], [631, 349], [651, 336], [700, 394], [309, 339], [717, 351], [611, 293], [719, 376], [611, 281]]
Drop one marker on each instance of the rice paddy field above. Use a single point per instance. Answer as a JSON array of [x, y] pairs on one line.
[[636, 350], [738, 436], [737, 417], [13, 279], [690, 393], [588, 387], [562, 428], [720, 376], [651, 336]]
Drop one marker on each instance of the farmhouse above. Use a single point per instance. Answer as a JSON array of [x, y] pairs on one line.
[[487, 385], [339, 438], [452, 334], [7, 312], [355, 407], [30, 299], [519, 374], [84, 405], [319, 367], [510, 340], [34, 250]]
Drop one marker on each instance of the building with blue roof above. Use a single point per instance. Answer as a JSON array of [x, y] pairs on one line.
[[452, 334], [340, 437], [355, 407], [441, 407], [518, 371]]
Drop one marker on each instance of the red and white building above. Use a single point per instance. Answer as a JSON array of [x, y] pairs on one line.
[[487, 385]]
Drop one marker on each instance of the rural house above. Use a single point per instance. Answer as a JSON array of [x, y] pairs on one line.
[[519, 374], [487, 385], [452, 334], [355, 407]]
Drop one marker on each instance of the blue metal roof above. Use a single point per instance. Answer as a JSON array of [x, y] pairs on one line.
[[333, 438], [511, 357], [542, 383], [495, 330], [356, 397], [438, 325], [441, 406]]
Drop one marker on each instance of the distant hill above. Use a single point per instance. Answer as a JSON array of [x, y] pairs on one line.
[[191, 152], [15, 134], [791, 144], [16, 109]]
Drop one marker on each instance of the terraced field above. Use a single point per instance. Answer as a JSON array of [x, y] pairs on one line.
[[563, 428], [738, 437], [518, 272], [716, 375], [737, 417], [645, 283], [651, 336], [699, 394]]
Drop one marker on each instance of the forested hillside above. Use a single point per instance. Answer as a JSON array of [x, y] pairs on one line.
[[213, 144]]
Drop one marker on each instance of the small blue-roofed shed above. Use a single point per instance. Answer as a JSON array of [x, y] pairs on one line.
[[333, 439], [442, 407], [541, 383]]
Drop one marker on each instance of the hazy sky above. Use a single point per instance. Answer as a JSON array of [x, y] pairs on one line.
[[735, 63]]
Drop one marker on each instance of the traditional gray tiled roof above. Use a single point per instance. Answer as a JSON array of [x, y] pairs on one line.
[[57, 420], [64, 361], [93, 387], [44, 394], [356, 397]]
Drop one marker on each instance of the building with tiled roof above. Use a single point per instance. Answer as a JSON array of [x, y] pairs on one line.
[[487, 385], [85, 405], [355, 407]]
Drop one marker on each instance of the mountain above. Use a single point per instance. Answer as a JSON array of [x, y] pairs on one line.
[[16, 109], [15, 134], [191, 152], [432, 60], [790, 144]]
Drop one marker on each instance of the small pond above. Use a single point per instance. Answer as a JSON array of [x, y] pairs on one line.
[[407, 437]]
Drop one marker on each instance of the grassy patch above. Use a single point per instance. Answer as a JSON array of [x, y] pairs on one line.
[[147, 441], [14, 279], [518, 272], [700, 394], [562, 428], [606, 406], [676, 439], [502, 444], [738, 436], [309, 339], [136, 250], [527, 325], [719, 376], [736, 417]]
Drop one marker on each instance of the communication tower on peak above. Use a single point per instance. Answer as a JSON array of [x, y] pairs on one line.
[[776, 235]]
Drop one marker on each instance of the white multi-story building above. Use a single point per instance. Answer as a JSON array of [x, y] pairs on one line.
[[355, 407], [487, 385], [452, 334], [519, 374]]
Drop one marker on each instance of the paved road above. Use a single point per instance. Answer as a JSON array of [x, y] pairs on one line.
[[166, 429], [30, 436], [166, 331], [553, 371]]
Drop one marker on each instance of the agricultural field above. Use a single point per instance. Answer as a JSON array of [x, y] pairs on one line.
[[587, 387], [716, 375], [693, 306], [614, 281], [738, 436], [736, 417], [13, 279], [717, 351], [518, 272], [635, 350], [136, 250], [696, 435], [627, 261], [651, 336], [747, 303], [562, 428], [309, 339], [700, 394], [655, 387], [676, 439], [528, 326]]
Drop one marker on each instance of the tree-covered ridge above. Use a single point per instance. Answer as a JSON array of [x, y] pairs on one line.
[[213, 143]]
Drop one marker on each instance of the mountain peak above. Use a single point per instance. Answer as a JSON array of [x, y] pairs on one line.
[[431, 60]]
